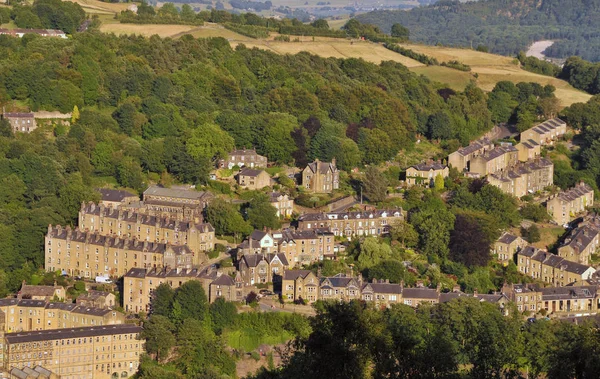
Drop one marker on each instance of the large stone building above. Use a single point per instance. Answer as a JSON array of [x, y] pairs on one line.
[[527, 298], [300, 285], [496, 160], [139, 285], [21, 122], [304, 247], [507, 246], [461, 158], [253, 179], [90, 254], [321, 177], [283, 204], [545, 133], [528, 150], [550, 268], [350, 224], [261, 268], [96, 352], [566, 205], [30, 315], [114, 198], [524, 178], [128, 223], [582, 241], [243, 158], [183, 201], [424, 174]]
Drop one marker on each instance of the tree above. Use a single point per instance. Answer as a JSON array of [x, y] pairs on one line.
[[320, 23], [190, 301], [392, 270], [535, 212], [375, 185], [531, 234], [400, 31], [439, 183], [162, 300], [372, 252], [404, 233], [222, 314], [209, 141], [261, 214], [226, 219], [471, 239], [158, 333]]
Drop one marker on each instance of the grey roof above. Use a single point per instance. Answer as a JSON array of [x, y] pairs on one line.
[[244, 152], [497, 152], [429, 166], [18, 115], [31, 290], [580, 238], [295, 274], [354, 215], [448, 296], [177, 192], [224, 280], [339, 281], [420, 293], [58, 334], [548, 125], [507, 238], [576, 192], [108, 194], [559, 293], [252, 260], [390, 288], [322, 167], [250, 172], [474, 146], [258, 235]]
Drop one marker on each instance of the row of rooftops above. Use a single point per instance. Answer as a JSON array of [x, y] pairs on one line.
[[208, 273], [136, 217], [582, 236], [69, 307], [429, 166], [380, 213], [480, 144], [574, 193], [497, 152], [82, 332], [530, 144], [553, 260], [95, 238], [522, 168], [547, 126]]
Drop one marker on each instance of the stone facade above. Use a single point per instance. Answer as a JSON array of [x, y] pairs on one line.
[[507, 246], [283, 204], [96, 299], [304, 247], [97, 352], [114, 198], [31, 315], [300, 285], [496, 160], [424, 174], [21, 122], [528, 150], [351, 224], [550, 268], [182, 201], [321, 177], [461, 158], [545, 133], [525, 178], [566, 205], [90, 255], [582, 241], [253, 179], [243, 158], [261, 268]]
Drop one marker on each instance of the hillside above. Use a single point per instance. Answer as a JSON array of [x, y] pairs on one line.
[[504, 26]]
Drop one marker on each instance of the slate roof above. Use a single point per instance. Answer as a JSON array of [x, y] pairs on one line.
[[108, 194], [547, 126], [17, 115], [474, 146], [58, 334], [350, 215], [295, 274], [27, 289], [559, 293], [250, 172], [176, 192], [428, 166], [252, 260], [244, 152], [580, 238], [321, 167], [507, 238], [224, 280], [389, 288], [497, 152], [420, 293], [574, 193]]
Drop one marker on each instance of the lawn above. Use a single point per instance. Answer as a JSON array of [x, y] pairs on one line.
[[249, 340], [146, 30], [457, 80], [549, 235]]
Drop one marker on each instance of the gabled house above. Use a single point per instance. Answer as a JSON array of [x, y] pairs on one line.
[[424, 174], [253, 179], [321, 177], [243, 158], [261, 268], [300, 285], [507, 246], [582, 241], [283, 204], [565, 206], [230, 289], [382, 292], [545, 133], [340, 287]]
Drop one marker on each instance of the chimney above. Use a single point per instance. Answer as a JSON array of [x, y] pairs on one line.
[[387, 281], [401, 284], [475, 293], [456, 288], [333, 161], [439, 287]]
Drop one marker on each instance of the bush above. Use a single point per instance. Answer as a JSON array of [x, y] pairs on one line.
[[531, 234], [535, 212], [457, 66], [254, 355], [213, 254], [425, 59], [251, 31]]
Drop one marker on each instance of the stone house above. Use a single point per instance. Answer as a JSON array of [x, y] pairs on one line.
[[96, 299], [496, 160], [230, 289], [261, 268], [253, 179], [46, 293], [461, 158], [54, 351], [21, 122], [566, 205], [300, 284], [304, 247], [545, 133], [382, 293], [527, 298], [581, 242], [550, 268], [340, 287], [524, 178], [528, 150], [577, 299], [420, 295], [283, 204], [321, 177], [351, 224], [114, 198], [424, 174], [243, 158], [507, 246]]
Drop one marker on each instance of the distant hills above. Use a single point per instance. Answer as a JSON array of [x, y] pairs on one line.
[[503, 26]]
